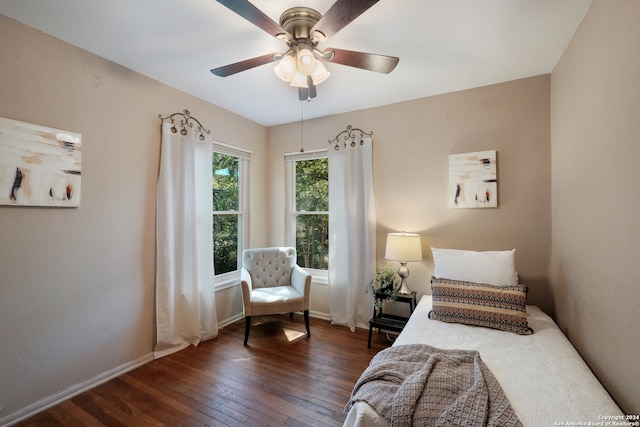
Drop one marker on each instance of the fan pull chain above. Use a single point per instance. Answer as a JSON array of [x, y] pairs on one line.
[[302, 127]]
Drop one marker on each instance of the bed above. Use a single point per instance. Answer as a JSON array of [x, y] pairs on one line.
[[541, 374]]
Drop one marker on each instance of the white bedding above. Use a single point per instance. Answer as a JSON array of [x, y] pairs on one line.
[[542, 375]]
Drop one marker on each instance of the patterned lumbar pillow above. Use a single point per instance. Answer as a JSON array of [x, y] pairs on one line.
[[498, 307]]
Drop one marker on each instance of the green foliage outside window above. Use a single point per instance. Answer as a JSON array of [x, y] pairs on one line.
[[225, 243], [225, 186], [312, 219]]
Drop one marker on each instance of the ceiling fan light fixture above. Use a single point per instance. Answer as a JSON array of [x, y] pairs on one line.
[[286, 68], [320, 74], [306, 63], [299, 80]]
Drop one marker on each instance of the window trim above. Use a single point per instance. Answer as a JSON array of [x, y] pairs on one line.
[[290, 159]]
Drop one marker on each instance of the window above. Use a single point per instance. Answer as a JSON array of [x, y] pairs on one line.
[[308, 202], [229, 186]]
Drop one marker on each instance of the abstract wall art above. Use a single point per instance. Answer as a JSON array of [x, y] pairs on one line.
[[39, 166], [473, 180]]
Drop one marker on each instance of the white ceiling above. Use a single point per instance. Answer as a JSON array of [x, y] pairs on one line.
[[443, 46]]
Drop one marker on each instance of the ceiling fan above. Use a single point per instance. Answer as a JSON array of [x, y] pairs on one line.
[[302, 29]]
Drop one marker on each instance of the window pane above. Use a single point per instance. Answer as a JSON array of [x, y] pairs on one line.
[[312, 241], [312, 185], [226, 227], [225, 243], [224, 182]]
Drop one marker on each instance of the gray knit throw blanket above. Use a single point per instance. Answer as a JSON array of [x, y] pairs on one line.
[[419, 385]]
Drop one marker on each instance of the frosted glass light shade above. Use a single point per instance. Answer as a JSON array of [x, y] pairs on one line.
[[299, 80], [306, 63], [286, 68], [403, 247], [320, 74]]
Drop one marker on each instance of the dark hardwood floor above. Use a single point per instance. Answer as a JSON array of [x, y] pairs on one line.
[[281, 378]]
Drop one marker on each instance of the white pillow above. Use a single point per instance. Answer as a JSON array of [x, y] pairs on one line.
[[490, 267]]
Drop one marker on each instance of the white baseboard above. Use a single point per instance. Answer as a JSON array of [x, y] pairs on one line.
[[230, 320], [319, 315], [74, 390]]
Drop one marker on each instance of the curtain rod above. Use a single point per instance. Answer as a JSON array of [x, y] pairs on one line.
[[349, 134], [187, 119]]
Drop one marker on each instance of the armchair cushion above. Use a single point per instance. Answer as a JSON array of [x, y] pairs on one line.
[[276, 299], [272, 283]]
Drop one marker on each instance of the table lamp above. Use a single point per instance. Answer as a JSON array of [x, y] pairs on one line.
[[403, 247]]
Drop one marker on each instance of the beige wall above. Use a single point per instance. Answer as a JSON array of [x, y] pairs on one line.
[[595, 132], [412, 141], [77, 285]]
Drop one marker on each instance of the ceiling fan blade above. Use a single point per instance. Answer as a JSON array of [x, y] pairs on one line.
[[254, 15], [230, 69], [341, 13], [367, 61]]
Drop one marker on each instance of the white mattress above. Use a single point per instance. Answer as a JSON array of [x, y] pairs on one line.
[[542, 375]]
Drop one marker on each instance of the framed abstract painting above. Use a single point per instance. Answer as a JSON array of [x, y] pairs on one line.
[[473, 180], [39, 166]]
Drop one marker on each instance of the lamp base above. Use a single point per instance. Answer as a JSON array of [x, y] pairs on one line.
[[403, 272], [404, 289]]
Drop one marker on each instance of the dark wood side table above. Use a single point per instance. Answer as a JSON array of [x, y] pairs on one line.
[[390, 322]]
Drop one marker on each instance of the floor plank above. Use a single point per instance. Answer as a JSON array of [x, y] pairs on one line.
[[281, 378]]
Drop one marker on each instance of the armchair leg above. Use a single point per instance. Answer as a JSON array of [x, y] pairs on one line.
[[247, 325], [306, 322]]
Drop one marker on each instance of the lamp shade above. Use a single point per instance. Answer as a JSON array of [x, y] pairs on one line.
[[403, 247]]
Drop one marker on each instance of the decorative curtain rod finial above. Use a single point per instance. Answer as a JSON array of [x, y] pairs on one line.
[[349, 134], [188, 120]]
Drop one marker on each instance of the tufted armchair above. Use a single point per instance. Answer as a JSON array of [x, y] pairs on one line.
[[272, 283]]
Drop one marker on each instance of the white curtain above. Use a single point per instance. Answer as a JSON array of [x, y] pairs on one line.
[[352, 233], [185, 297]]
